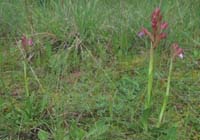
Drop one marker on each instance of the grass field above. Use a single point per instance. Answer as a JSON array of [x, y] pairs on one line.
[[85, 76]]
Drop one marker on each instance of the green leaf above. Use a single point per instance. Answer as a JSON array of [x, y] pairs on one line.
[[43, 135], [172, 134], [98, 129], [76, 133], [145, 116], [1, 103]]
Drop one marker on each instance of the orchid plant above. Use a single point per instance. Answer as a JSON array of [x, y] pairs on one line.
[[26, 41], [156, 35], [176, 51], [24, 44]]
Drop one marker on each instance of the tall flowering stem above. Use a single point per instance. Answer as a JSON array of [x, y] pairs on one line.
[[176, 52], [155, 36], [166, 96], [150, 78]]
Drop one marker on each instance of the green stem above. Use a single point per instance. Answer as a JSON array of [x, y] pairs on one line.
[[149, 90], [26, 80], [165, 100], [150, 78]]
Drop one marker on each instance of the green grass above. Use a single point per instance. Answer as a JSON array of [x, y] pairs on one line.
[[87, 79]]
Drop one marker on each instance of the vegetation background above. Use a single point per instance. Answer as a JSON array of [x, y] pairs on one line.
[[85, 77]]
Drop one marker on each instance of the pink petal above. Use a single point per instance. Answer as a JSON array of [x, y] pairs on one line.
[[177, 51], [162, 35], [181, 55], [164, 25], [156, 12], [30, 42], [24, 41]]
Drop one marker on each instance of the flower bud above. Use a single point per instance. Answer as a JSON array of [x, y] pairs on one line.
[[162, 35], [164, 25], [155, 18]]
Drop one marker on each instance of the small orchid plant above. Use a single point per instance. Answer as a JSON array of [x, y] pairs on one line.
[[176, 51], [25, 42], [156, 35], [25, 46]]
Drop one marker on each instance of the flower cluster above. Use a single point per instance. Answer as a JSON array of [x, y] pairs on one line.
[[177, 51], [26, 42], [158, 26]]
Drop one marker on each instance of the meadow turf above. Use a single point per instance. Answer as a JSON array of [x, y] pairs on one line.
[[85, 77]]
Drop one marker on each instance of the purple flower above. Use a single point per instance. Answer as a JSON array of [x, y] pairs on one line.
[[143, 32]]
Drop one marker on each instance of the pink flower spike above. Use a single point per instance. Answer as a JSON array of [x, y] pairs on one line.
[[164, 25], [26, 42], [177, 51]]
